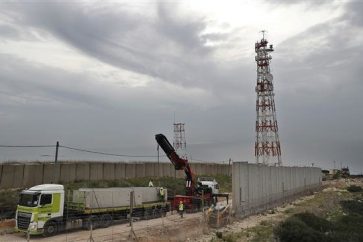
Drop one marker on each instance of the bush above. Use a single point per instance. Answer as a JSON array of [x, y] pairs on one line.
[[294, 229], [354, 188], [315, 222]]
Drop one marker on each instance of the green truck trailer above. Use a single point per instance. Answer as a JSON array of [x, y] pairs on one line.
[[44, 209]]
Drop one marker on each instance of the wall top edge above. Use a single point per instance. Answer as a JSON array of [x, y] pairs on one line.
[[264, 165]]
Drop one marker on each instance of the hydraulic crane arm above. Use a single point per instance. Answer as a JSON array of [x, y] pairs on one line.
[[179, 163]]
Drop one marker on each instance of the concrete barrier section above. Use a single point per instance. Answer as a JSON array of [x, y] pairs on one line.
[[140, 169], [12, 175], [96, 171], [82, 171], [120, 171], [68, 172], [51, 173], [130, 170], [15, 175], [257, 187], [33, 175], [108, 171]]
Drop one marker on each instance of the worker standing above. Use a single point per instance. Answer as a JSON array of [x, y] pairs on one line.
[[151, 184], [181, 208]]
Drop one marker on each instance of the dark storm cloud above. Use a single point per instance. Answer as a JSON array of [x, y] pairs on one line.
[[170, 47]]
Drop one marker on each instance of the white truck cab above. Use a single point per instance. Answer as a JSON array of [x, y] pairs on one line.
[[209, 182], [37, 205]]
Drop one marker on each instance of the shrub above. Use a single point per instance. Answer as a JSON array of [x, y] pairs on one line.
[[293, 229], [354, 188], [315, 222]]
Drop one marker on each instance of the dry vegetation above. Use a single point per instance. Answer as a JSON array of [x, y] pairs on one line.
[[334, 214]]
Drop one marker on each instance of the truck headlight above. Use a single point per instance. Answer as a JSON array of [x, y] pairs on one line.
[[33, 226]]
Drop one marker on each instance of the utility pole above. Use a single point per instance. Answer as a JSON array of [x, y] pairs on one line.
[[56, 152]]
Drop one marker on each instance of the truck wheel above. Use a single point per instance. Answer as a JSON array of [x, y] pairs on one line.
[[105, 220], [50, 228]]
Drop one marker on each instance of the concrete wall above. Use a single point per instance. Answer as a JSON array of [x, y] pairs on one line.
[[256, 187], [20, 175]]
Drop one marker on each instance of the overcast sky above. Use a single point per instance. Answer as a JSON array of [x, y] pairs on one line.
[[109, 75]]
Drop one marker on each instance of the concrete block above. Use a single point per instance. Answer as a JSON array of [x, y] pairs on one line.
[[108, 171], [130, 170], [120, 171], [149, 169], [82, 171], [12, 175], [51, 173], [67, 172], [33, 175], [96, 171], [140, 170]]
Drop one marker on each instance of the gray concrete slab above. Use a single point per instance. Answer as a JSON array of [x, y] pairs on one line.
[[12, 175], [96, 171], [51, 173], [33, 175], [67, 172], [108, 171]]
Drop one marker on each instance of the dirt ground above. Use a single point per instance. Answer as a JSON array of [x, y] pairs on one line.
[[173, 228]]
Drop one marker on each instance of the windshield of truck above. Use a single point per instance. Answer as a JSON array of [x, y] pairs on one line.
[[29, 199]]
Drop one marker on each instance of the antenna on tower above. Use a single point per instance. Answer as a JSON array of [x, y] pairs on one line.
[[267, 146], [263, 33], [180, 144]]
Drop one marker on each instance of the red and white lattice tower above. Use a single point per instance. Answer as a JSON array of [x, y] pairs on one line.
[[180, 144], [267, 146]]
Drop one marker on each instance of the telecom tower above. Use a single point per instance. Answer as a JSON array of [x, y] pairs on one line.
[[180, 144], [267, 146]]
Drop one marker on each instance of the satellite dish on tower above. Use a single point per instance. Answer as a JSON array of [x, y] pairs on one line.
[[269, 77]]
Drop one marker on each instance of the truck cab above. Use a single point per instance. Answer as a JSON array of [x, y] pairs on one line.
[[209, 182], [39, 208]]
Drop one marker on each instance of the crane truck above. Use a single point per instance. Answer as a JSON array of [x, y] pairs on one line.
[[44, 209], [198, 191]]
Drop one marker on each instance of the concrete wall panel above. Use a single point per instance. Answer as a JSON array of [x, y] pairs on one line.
[[33, 175], [29, 174], [51, 173], [96, 171], [130, 170], [82, 171], [108, 171], [149, 170], [120, 171], [12, 175], [140, 170], [67, 172], [257, 187]]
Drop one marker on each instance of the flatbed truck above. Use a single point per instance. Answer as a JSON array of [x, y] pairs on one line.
[[44, 209]]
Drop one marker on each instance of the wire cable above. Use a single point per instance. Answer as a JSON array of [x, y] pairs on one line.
[[27, 146], [109, 154]]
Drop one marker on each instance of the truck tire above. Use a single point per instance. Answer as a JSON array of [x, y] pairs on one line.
[[105, 220], [50, 228]]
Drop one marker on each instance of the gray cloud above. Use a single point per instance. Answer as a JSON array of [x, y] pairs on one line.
[[317, 84], [354, 11]]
